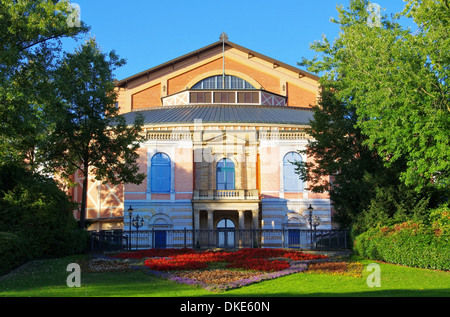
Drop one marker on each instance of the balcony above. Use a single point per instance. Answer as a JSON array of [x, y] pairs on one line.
[[234, 194], [224, 97]]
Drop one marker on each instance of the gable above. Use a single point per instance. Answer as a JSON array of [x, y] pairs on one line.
[[145, 90]]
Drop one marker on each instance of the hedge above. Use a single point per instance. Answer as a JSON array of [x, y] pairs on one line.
[[12, 252], [411, 244]]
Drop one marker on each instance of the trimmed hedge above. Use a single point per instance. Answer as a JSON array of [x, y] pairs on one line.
[[411, 244]]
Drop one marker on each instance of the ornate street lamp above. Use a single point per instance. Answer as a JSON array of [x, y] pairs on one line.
[[130, 214], [310, 211], [138, 222]]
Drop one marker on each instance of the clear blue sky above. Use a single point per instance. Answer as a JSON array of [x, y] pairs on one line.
[[148, 32]]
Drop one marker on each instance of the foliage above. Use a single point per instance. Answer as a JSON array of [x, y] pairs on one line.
[[440, 220], [33, 208], [364, 191], [89, 135], [30, 34], [410, 243], [397, 82], [377, 131], [12, 251]]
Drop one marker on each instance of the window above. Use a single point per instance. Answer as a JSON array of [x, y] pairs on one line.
[[291, 180], [216, 82], [160, 173], [225, 223], [225, 174]]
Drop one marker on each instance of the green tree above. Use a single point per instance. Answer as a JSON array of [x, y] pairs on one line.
[[397, 81], [90, 136], [30, 33]]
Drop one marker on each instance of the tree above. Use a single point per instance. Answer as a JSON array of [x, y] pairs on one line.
[[338, 149], [30, 33], [365, 187], [397, 82], [90, 136]]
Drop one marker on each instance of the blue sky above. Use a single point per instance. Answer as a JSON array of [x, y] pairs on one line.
[[148, 32]]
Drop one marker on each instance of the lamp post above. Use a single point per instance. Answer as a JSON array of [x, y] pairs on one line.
[[137, 223], [315, 223], [310, 211], [130, 214]]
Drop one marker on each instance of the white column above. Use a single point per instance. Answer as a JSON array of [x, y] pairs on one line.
[[255, 219], [241, 219], [210, 219]]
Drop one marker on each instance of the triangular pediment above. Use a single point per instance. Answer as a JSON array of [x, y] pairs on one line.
[[225, 138]]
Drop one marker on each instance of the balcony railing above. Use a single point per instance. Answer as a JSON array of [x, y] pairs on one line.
[[224, 97], [216, 194]]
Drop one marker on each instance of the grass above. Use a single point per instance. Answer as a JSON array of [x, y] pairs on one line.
[[47, 278]]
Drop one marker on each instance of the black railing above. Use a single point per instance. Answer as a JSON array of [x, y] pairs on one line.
[[108, 240], [236, 239]]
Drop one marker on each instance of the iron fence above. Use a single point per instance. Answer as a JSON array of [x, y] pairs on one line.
[[107, 240], [222, 238]]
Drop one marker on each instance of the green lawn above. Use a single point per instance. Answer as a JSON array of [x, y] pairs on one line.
[[47, 278]]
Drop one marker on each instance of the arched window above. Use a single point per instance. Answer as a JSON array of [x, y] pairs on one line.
[[225, 233], [160, 173], [225, 223], [216, 82], [291, 180], [225, 174]]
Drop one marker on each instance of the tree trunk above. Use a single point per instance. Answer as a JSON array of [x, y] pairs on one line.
[[84, 199]]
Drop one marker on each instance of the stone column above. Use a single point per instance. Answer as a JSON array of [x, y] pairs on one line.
[[255, 219], [196, 227], [210, 219], [241, 219]]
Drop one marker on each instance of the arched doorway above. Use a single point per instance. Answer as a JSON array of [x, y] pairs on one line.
[[226, 233]]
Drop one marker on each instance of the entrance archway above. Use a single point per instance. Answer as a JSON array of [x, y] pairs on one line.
[[226, 229]]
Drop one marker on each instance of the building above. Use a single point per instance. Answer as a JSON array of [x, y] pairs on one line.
[[223, 125]]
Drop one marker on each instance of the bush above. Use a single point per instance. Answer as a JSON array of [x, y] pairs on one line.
[[35, 209], [12, 252], [409, 243]]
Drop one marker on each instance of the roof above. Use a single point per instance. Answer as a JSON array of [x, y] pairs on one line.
[[223, 114], [123, 82]]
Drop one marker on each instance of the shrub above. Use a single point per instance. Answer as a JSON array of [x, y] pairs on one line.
[[12, 252], [409, 243], [34, 208]]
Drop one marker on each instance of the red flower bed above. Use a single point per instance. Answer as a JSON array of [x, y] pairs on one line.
[[165, 264], [189, 259], [300, 256], [153, 253]]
